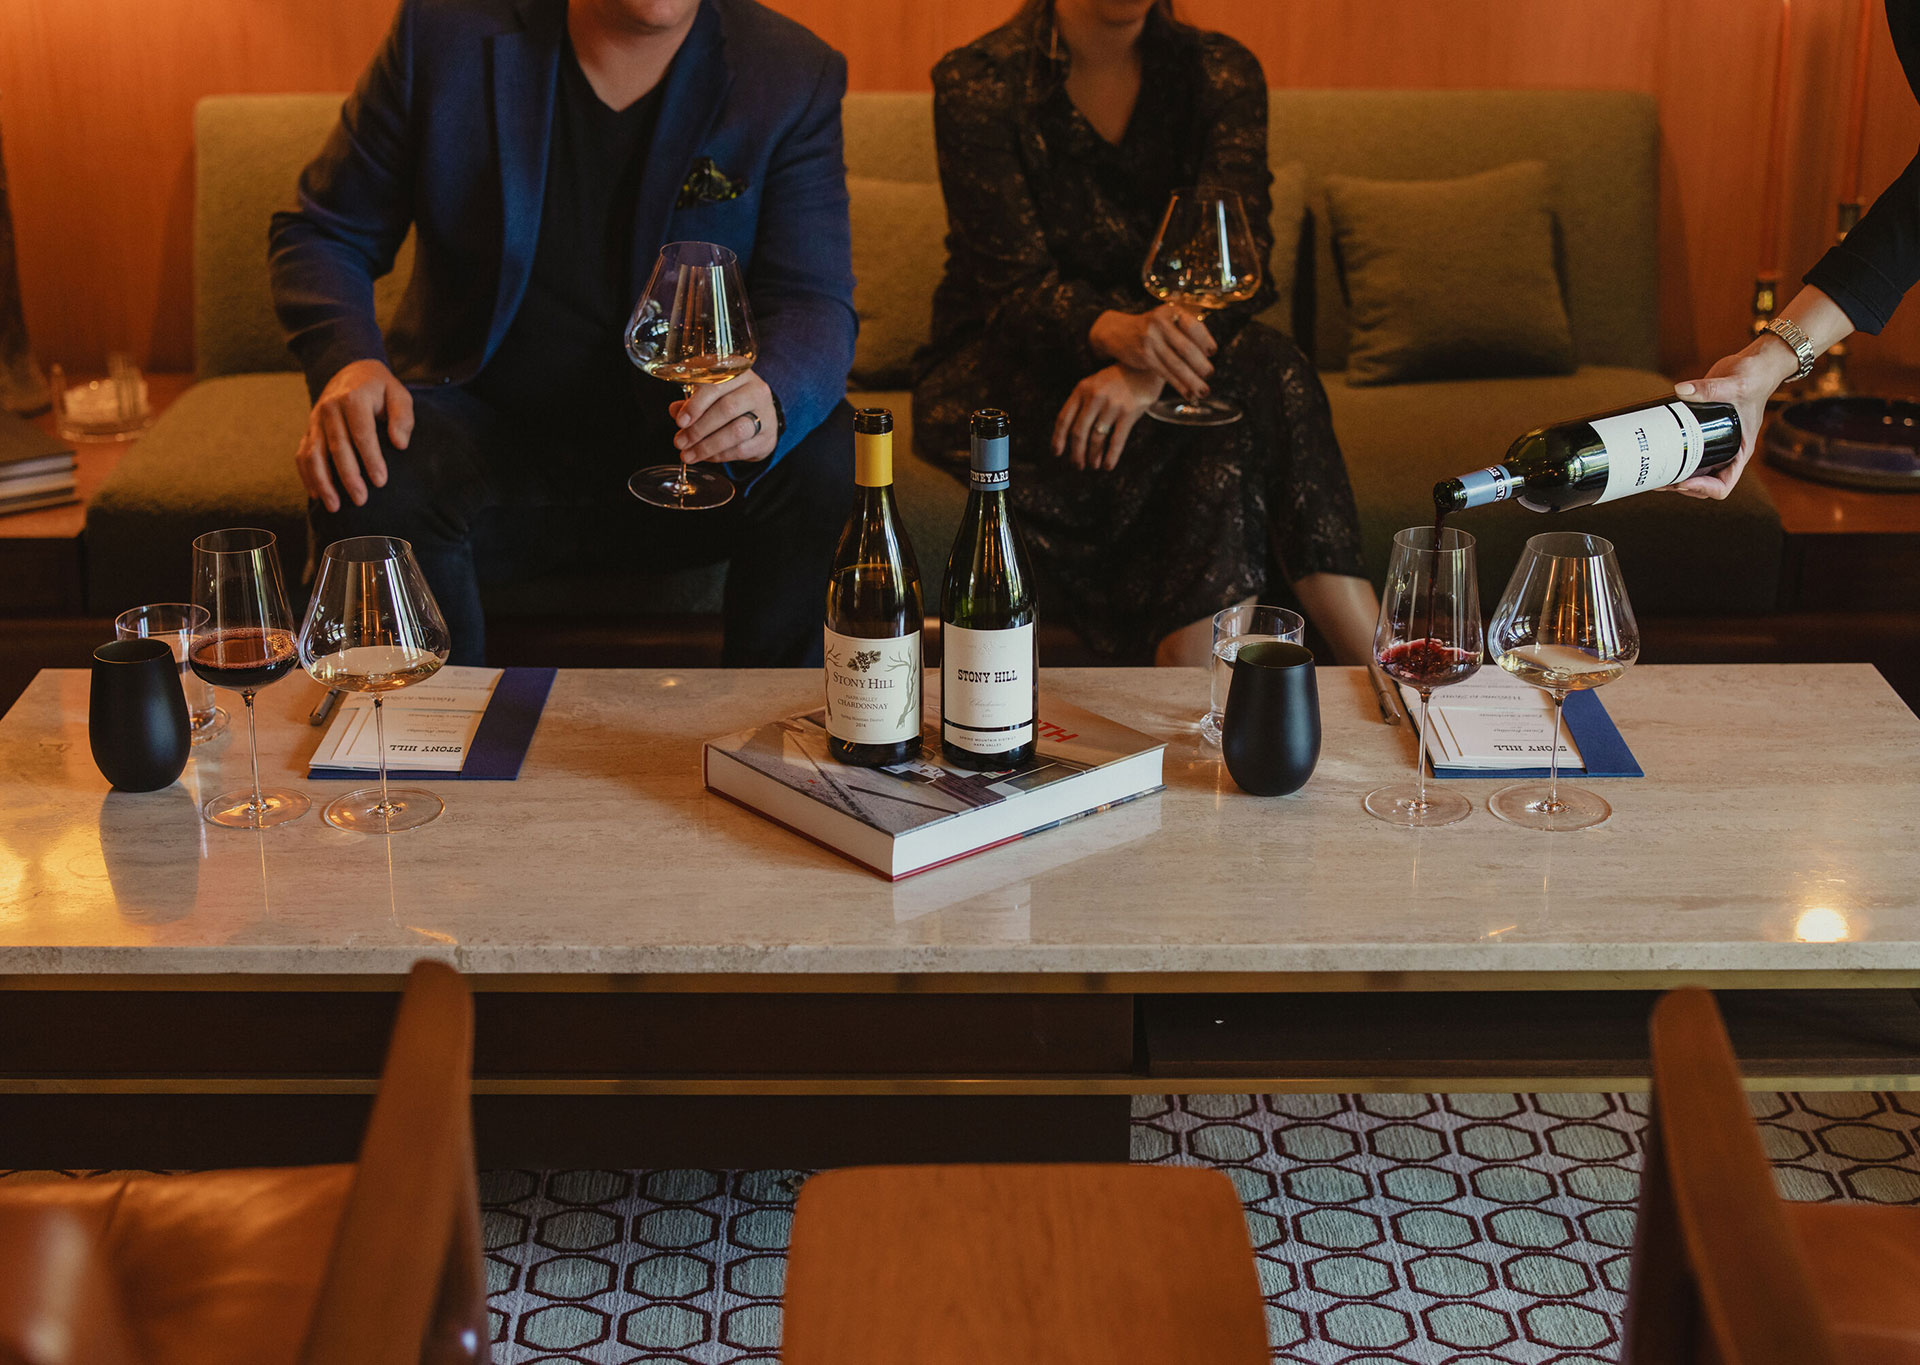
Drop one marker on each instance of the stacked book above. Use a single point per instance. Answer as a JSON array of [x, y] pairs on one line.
[[35, 469]]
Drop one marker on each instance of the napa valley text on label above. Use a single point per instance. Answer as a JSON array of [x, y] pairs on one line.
[[873, 688]]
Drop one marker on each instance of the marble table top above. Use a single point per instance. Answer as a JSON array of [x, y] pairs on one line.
[[1777, 832]]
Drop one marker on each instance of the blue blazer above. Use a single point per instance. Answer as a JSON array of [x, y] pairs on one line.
[[448, 132]]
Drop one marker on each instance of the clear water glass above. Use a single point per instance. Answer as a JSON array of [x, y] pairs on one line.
[[1233, 627], [174, 622]]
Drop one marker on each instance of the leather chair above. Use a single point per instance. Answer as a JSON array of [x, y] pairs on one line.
[[1727, 1272], [1012, 1265], [377, 1263]]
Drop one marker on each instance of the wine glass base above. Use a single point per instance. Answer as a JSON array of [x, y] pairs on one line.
[[1525, 804], [1210, 729], [235, 809], [1208, 412], [1399, 805], [681, 487], [360, 811], [216, 725]]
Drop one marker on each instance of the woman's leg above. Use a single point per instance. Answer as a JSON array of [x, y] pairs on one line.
[[1345, 609]]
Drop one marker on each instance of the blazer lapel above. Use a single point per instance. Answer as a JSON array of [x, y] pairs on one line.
[[525, 66], [696, 89]]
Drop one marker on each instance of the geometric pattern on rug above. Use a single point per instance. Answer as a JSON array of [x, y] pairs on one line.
[[1389, 1229]]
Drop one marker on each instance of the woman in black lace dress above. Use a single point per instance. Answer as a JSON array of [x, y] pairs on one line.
[[1061, 136]]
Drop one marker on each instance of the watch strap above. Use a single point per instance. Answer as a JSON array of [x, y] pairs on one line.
[[1789, 332]]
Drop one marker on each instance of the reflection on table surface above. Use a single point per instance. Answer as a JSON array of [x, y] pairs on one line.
[[1775, 830]]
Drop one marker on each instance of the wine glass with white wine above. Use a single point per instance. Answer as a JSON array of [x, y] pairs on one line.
[[1563, 625], [1202, 259], [691, 326], [373, 626]]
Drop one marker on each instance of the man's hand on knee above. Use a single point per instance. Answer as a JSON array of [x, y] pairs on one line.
[[730, 421], [341, 446]]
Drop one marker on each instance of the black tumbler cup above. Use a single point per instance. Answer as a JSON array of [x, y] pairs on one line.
[[137, 715], [1271, 734]]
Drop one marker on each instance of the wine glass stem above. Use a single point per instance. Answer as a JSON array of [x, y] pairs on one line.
[[380, 737], [1420, 756], [685, 487], [1553, 754], [253, 753]]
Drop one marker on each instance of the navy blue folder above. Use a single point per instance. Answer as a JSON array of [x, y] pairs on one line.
[[499, 744], [1594, 734]]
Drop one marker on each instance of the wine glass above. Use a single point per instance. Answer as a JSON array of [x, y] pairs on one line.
[[1428, 637], [242, 638], [691, 326], [1202, 258], [1564, 625], [373, 626]]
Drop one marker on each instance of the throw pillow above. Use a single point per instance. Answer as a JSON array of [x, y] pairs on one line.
[[1289, 221], [1450, 279], [899, 254]]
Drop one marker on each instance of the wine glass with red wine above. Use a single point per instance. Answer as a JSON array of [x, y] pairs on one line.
[[1429, 636], [244, 640]]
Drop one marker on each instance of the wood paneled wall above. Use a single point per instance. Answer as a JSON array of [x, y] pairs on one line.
[[96, 100]]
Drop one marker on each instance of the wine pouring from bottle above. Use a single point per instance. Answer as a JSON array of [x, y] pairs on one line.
[[1601, 458], [873, 662], [989, 673]]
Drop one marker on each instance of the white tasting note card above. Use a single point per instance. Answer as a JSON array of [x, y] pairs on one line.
[[451, 689], [1491, 722]]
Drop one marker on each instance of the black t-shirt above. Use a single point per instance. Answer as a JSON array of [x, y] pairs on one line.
[[563, 361]]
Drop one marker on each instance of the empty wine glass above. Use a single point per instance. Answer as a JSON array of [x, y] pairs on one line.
[[691, 326], [1203, 258], [243, 638], [1428, 637], [1564, 625], [373, 626]]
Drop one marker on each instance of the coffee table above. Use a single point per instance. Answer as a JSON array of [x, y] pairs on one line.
[[663, 976]]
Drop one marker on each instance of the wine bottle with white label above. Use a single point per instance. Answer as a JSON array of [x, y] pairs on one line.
[[1600, 458], [989, 678], [873, 615]]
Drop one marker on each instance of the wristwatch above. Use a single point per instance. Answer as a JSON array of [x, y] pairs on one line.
[[1787, 331]]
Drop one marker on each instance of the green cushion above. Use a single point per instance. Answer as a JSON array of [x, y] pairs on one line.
[[1450, 279], [1289, 221], [898, 227], [1601, 147], [1681, 556]]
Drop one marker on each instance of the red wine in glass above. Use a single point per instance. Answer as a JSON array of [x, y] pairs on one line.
[[1427, 664], [244, 657]]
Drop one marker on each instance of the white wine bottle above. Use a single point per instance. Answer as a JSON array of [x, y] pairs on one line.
[[1603, 457], [873, 615], [989, 674]]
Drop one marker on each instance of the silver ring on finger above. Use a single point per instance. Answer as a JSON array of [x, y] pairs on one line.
[[1103, 431]]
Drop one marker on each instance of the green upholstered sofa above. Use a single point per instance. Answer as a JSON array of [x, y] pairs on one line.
[[222, 454]]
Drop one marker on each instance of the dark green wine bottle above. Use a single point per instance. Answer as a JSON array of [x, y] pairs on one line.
[[989, 673], [873, 615], [1597, 459]]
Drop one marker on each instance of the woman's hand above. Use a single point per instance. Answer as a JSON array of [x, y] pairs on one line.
[[1099, 414], [1167, 343], [730, 421], [1746, 380]]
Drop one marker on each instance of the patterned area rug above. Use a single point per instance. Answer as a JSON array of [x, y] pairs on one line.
[[1391, 1229]]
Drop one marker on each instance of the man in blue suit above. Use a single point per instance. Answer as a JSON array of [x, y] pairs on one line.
[[543, 151]]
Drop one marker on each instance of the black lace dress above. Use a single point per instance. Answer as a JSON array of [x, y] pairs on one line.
[[1048, 225]]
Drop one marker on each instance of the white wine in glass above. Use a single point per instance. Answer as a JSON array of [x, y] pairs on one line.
[[1564, 625], [691, 326], [1202, 259], [374, 627]]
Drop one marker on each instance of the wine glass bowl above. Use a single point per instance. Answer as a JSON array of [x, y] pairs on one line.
[[242, 637], [691, 325], [1203, 258], [1428, 636], [1563, 625], [374, 627]]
